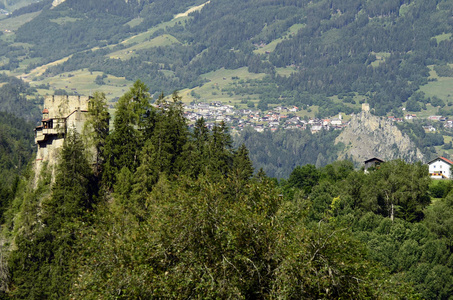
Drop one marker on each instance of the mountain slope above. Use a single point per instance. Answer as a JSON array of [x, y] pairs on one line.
[[313, 52]]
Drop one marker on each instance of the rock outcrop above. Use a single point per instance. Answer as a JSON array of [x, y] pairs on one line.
[[369, 136]]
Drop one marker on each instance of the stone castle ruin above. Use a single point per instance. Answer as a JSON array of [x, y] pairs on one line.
[[60, 114]]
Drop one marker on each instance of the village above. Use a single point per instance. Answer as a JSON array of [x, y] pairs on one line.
[[279, 117], [282, 117]]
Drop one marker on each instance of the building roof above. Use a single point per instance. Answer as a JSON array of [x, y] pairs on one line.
[[441, 158], [45, 111], [374, 159]]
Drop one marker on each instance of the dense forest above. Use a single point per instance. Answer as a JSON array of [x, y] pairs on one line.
[[278, 153], [173, 212]]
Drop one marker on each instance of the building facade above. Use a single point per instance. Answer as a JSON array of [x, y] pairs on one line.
[[440, 168]]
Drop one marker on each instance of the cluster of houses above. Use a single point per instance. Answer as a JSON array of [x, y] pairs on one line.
[[428, 128], [280, 117]]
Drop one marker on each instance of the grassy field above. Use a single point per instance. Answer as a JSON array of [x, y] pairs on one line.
[[134, 22], [442, 37], [380, 57], [271, 46], [442, 88], [223, 79], [82, 82], [285, 71], [430, 111], [145, 36], [218, 80], [162, 40], [14, 23]]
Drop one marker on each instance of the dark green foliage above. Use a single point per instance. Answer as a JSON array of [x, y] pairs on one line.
[[96, 128], [40, 267], [304, 178], [423, 140], [13, 99], [16, 151], [124, 144], [73, 189], [278, 153], [196, 238], [242, 165], [440, 188], [444, 71], [387, 210]]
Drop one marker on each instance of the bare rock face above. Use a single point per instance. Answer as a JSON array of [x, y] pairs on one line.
[[369, 136]]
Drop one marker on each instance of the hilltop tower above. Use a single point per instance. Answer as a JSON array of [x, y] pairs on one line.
[[60, 114]]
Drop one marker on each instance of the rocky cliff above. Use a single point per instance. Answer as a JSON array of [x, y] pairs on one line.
[[369, 136]]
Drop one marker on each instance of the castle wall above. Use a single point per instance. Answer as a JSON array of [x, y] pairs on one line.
[[62, 106], [67, 113]]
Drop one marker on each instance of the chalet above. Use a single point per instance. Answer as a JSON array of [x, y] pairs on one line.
[[372, 163], [440, 168]]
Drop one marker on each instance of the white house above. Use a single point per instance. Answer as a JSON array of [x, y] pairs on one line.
[[440, 168]]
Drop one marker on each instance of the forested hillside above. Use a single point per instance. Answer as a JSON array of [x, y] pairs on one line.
[[173, 212], [278, 153], [311, 53]]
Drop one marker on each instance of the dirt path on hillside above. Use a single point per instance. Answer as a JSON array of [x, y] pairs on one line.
[[190, 10], [41, 69]]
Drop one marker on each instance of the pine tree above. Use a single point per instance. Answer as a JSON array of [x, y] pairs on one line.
[[96, 128], [220, 151], [127, 139], [242, 165]]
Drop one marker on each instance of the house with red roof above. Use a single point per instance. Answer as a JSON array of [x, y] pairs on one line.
[[440, 168]]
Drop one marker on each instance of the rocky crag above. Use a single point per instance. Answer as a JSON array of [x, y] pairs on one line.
[[369, 136]]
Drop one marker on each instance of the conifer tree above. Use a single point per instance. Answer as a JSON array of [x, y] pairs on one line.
[[170, 133], [242, 165], [220, 151], [194, 158], [127, 139], [96, 128], [40, 267]]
